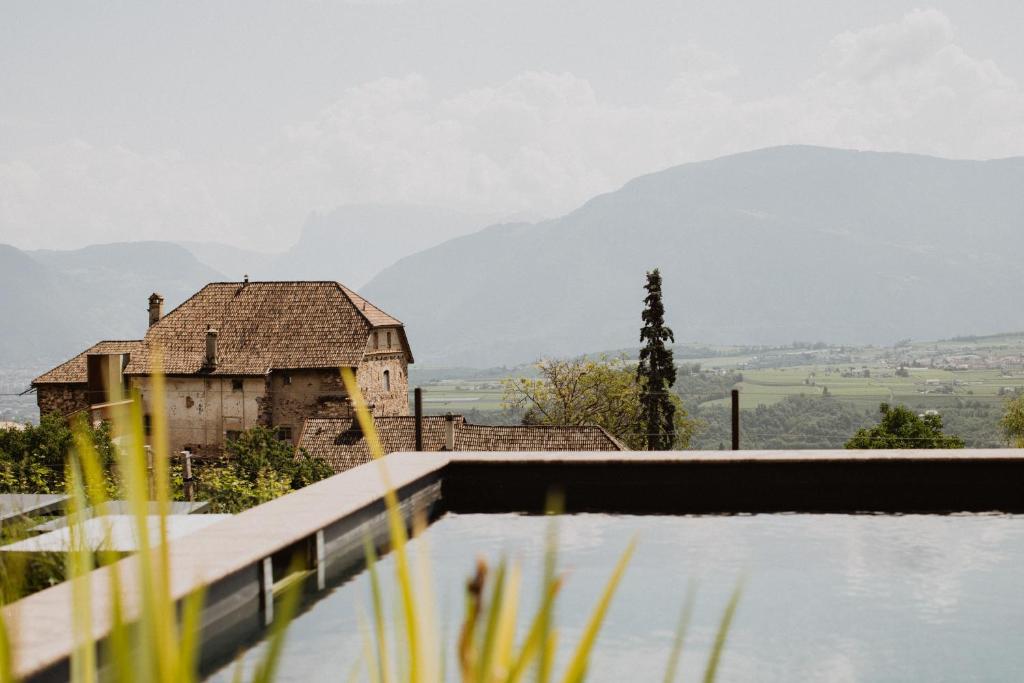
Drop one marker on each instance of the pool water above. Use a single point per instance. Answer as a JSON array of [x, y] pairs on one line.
[[827, 597]]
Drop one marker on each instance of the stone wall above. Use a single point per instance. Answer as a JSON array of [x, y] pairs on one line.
[[61, 398], [295, 395], [371, 378]]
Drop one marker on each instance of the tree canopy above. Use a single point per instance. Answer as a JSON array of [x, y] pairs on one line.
[[604, 392], [32, 459], [901, 427], [1013, 422]]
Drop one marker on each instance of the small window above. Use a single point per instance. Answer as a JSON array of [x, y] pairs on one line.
[[284, 433], [376, 340], [389, 339], [387, 380], [234, 435], [236, 385], [287, 379]]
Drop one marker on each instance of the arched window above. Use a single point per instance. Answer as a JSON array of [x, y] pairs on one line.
[[387, 380]]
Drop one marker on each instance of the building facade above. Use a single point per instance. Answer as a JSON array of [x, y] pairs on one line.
[[240, 354]]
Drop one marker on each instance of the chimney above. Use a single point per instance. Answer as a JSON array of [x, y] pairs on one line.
[[156, 308], [449, 432], [211, 348]]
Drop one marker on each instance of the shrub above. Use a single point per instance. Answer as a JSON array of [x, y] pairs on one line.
[[32, 459]]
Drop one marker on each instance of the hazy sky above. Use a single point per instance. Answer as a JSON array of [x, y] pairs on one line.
[[232, 121]]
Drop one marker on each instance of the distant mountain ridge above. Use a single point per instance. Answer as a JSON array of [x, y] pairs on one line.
[[354, 243], [349, 244], [762, 247], [56, 303]]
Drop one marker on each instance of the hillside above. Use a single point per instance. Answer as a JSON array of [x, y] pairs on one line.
[[764, 247], [55, 303]]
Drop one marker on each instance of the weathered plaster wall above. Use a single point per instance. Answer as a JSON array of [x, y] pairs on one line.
[[295, 395], [370, 377], [200, 411], [61, 398]]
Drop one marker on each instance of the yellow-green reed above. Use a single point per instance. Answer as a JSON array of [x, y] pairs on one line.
[[488, 648]]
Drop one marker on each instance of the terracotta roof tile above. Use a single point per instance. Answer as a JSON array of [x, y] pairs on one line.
[[74, 371], [261, 326], [340, 442]]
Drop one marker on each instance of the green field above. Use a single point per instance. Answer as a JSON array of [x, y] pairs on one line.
[[924, 386], [966, 380], [461, 395]]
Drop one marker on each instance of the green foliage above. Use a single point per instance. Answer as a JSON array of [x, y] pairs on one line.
[[656, 371], [227, 490], [795, 422], [696, 387], [22, 574], [605, 392], [901, 427], [1012, 422], [258, 468], [259, 449], [32, 459]]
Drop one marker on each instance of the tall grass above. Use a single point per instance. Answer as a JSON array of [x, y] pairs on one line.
[[489, 649], [155, 638]]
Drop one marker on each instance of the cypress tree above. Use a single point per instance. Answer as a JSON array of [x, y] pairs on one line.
[[657, 370]]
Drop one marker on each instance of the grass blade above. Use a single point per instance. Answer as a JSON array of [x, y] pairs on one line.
[[711, 671], [578, 664], [681, 629], [378, 612]]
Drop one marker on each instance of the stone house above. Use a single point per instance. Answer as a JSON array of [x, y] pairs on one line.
[[342, 444], [240, 354]]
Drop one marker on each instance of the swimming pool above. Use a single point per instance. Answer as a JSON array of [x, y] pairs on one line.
[[827, 597]]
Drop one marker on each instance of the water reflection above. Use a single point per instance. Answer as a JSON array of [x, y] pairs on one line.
[[829, 597]]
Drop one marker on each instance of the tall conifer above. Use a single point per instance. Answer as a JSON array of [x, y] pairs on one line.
[[657, 370]]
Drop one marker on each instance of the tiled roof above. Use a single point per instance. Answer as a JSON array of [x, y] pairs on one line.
[[262, 326], [377, 317], [341, 443], [74, 371]]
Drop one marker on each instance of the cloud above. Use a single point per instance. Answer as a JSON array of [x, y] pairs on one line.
[[547, 141], [539, 142]]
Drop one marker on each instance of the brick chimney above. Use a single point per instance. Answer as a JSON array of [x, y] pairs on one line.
[[449, 432], [211, 348], [156, 308]]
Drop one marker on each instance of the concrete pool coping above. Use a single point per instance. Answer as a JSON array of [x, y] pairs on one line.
[[236, 561]]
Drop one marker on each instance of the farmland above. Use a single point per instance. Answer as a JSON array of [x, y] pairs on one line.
[[804, 395]]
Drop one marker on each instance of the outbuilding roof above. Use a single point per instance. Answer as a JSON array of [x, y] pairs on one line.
[[342, 444]]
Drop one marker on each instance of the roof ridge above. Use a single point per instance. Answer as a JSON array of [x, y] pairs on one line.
[[349, 293], [272, 282]]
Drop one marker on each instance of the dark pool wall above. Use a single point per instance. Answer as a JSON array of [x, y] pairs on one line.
[[825, 485]]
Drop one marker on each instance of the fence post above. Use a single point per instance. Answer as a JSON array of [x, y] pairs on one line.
[[189, 480], [735, 419]]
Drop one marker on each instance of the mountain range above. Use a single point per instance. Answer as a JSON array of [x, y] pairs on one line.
[[350, 244], [55, 303], [765, 247]]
